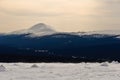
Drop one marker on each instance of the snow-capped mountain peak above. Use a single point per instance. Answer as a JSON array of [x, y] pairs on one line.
[[39, 29]]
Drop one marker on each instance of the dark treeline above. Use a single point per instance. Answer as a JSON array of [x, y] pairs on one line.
[[59, 48]]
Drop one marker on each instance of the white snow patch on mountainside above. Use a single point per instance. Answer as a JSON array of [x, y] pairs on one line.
[[118, 37], [109, 32], [61, 71]]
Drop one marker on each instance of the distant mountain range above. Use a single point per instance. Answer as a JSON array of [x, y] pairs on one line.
[[40, 43]]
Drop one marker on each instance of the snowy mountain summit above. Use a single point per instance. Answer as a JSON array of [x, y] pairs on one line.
[[39, 29]]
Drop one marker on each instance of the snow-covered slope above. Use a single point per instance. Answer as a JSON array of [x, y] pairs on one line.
[[60, 71], [104, 32], [99, 34], [109, 32], [39, 29]]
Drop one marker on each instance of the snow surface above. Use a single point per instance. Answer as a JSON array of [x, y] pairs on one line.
[[60, 71]]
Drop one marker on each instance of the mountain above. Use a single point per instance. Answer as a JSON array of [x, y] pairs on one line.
[[42, 29], [39, 29], [40, 43]]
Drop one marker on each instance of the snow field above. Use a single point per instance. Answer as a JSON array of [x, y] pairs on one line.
[[60, 71]]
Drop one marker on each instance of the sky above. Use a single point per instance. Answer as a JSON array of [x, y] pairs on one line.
[[62, 15]]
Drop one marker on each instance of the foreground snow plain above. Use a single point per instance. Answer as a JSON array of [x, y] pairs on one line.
[[60, 71]]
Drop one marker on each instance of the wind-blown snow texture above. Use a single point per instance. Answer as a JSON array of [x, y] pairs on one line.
[[60, 71]]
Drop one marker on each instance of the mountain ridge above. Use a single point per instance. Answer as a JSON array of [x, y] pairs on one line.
[[41, 29]]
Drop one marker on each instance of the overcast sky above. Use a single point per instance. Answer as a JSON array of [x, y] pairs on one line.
[[63, 15]]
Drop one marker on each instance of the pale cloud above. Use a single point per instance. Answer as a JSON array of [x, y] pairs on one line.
[[28, 7], [47, 7], [111, 7]]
